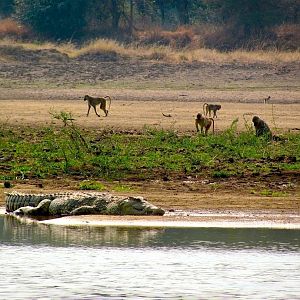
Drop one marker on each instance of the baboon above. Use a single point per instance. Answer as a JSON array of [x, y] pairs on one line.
[[261, 128], [207, 108], [96, 101], [205, 123], [267, 99]]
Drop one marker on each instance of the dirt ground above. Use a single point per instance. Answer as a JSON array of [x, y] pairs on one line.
[[142, 91], [135, 115]]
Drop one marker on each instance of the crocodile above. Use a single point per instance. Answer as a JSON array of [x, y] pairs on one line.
[[78, 203]]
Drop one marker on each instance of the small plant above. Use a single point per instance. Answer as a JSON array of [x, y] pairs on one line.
[[214, 186], [270, 193], [122, 188], [220, 174], [65, 117], [91, 185], [7, 184], [70, 140]]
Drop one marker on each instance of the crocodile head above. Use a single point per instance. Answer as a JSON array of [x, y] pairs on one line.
[[41, 210], [134, 206]]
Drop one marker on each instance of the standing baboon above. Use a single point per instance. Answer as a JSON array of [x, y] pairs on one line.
[[207, 108], [266, 100], [96, 101], [261, 128], [204, 122]]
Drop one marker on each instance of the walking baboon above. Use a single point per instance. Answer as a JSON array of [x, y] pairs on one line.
[[96, 101], [204, 123], [261, 128], [266, 100], [207, 108]]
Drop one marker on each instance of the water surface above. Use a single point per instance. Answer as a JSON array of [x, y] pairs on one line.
[[53, 262]]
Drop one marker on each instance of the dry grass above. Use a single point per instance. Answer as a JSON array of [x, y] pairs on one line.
[[9, 27], [182, 37], [102, 46], [288, 35], [164, 53]]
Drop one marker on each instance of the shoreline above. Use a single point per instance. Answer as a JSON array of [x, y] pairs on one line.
[[175, 220]]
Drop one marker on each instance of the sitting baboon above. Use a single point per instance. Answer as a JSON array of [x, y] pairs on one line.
[[204, 122], [207, 108], [96, 101], [266, 100], [261, 128]]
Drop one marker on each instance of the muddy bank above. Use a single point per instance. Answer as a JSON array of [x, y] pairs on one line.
[[228, 196]]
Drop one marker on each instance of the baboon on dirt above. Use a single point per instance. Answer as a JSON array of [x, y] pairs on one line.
[[266, 100], [207, 108], [261, 128], [96, 101], [204, 123]]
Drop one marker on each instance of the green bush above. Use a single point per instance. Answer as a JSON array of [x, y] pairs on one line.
[[59, 19], [91, 185]]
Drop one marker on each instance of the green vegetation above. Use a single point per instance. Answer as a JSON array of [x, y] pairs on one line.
[[270, 193], [122, 188], [71, 151], [53, 18], [91, 185]]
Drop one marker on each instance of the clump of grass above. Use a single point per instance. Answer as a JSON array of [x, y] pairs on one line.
[[180, 38], [91, 185], [270, 193], [101, 46], [122, 188], [220, 174]]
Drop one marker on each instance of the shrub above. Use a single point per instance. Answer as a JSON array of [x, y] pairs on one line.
[[12, 29], [288, 36], [91, 185], [220, 174], [181, 38]]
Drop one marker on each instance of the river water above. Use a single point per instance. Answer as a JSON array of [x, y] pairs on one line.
[[39, 261]]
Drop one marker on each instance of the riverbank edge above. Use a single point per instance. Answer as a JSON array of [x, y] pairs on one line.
[[212, 220]]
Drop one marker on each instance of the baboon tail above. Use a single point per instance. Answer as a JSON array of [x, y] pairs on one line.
[[213, 124], [205, 104], [109, 101]]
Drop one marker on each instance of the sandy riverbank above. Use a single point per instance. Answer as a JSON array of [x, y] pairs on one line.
[[204, 219]]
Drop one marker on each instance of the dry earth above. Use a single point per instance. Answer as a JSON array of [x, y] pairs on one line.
[[32, 85], [135, 115]]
